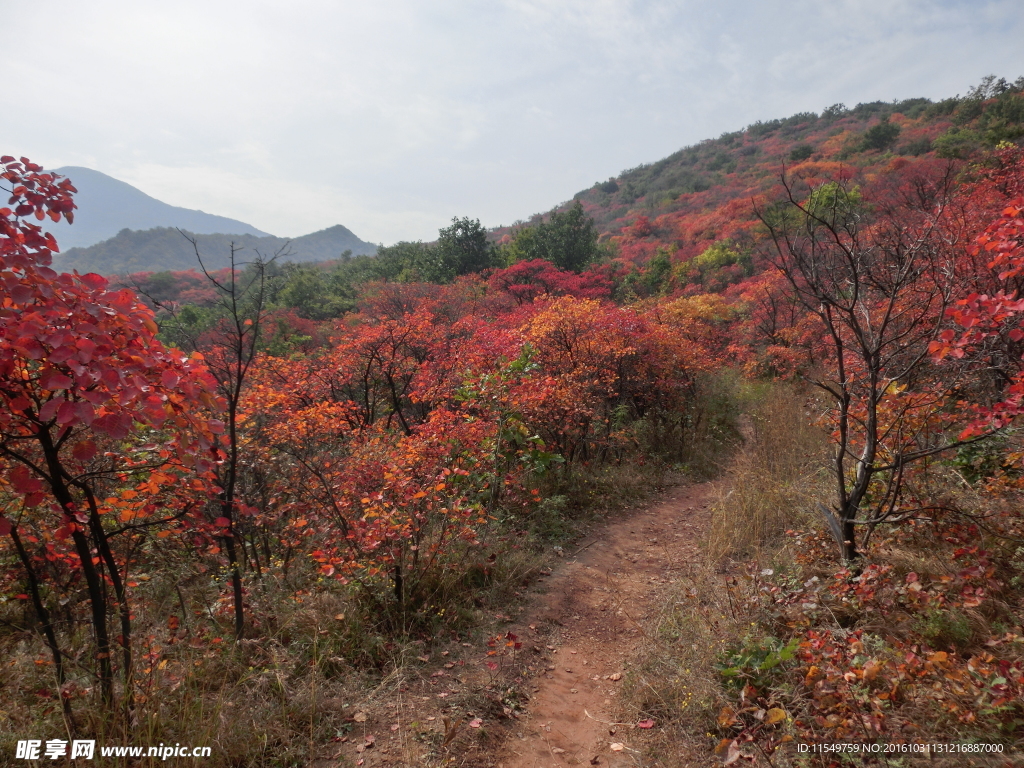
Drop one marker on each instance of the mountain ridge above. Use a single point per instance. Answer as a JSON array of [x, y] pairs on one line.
[[164, 249], [106, 205]]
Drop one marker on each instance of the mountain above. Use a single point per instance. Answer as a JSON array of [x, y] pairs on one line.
[[670, 213], [166, 249], [106, 206]]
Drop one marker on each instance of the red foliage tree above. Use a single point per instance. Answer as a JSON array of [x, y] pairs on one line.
[[526, 280], [878, 273], [91, 403]]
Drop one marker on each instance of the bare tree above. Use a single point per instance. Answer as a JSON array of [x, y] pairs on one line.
[[879, 275], [230, 344]]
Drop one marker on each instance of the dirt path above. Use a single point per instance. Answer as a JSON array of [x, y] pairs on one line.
[[590, 620]]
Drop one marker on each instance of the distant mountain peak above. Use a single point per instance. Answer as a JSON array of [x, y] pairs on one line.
[[106, 206], [163, 249]]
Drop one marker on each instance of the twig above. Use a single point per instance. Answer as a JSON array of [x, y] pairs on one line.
[[599, 720], [584, 547]]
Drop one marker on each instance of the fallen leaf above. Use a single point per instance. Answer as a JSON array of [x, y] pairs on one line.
[[359, 717], [775, 715], [395, 727], [617, 747], [733, 753], [424, 659], [812, 676], [558, 750], [616, 676], [645, 724], [476, 722], [595, 760]]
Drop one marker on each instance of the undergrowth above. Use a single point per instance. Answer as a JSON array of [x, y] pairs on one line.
[[322, 659], [772, 644]]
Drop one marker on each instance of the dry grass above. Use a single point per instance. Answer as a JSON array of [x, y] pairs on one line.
[[676, 680], [772, 482], [769, 484], [287, 696]]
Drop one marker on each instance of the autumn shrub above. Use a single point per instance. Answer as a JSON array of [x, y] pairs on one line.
[[263, 701], [699, 436], [922, 642]]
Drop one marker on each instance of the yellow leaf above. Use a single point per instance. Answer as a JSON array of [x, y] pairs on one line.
[[775, 715], [871, 670], [812, 675]]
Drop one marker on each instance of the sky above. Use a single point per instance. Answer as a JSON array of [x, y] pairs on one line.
[[393, 116]]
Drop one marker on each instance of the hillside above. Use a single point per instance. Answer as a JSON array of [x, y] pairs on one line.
[[701, 194], [107, 205], [679, 226], [165, 248]]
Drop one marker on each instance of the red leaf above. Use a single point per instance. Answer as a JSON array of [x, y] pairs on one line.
[[67, 413], [55, 380], [645, 724], [23, 481], [223, 522], [84, 450], [94, 281], [5, 526]]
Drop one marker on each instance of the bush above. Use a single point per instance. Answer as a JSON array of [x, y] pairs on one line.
[[800, 153], [881, 136]]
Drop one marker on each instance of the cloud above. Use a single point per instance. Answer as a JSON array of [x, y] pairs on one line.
[[394, 116]]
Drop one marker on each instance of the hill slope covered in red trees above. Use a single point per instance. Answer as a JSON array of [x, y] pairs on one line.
[[386, 439]]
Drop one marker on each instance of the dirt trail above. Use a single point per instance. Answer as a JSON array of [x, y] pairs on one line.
[[590, 621]]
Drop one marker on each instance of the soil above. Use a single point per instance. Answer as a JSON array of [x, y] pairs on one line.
[[592, 617], [580, 630]]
